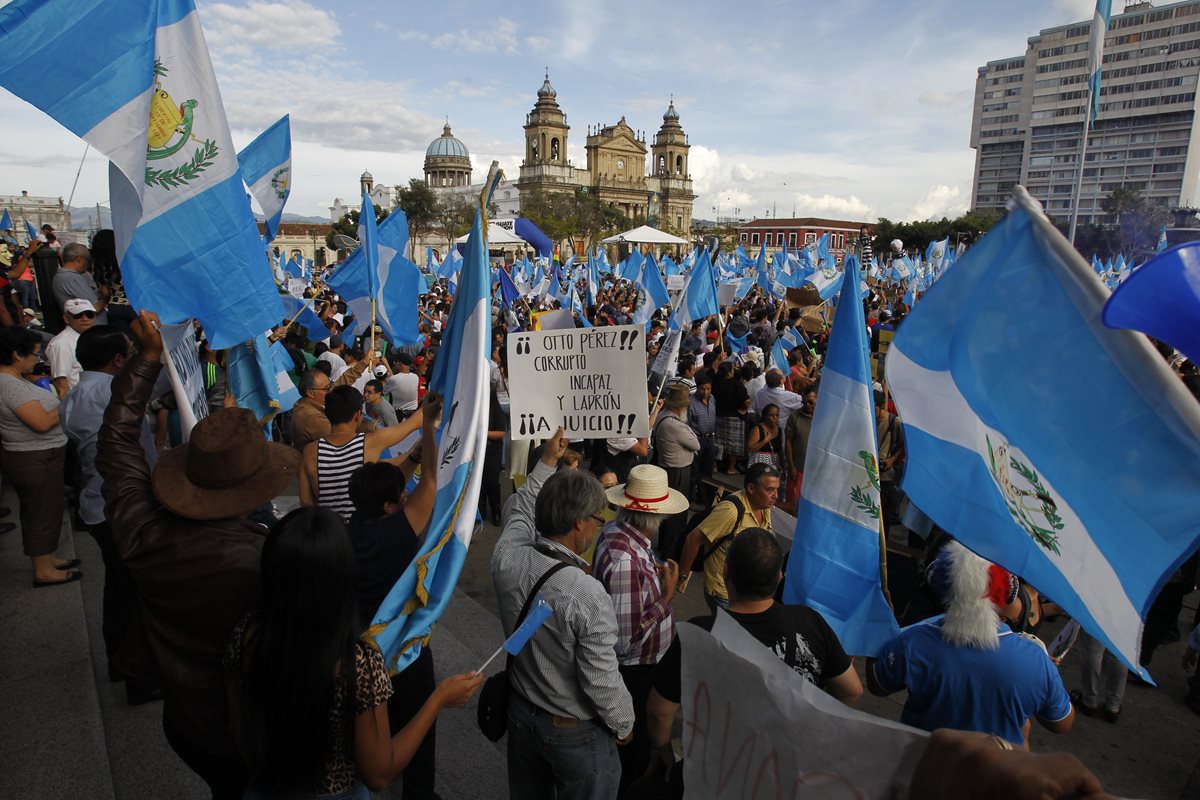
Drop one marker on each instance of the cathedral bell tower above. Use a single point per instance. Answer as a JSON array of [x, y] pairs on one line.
[[546, 129]]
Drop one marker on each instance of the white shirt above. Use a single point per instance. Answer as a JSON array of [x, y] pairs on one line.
[[403, 388], [60, 352], [787, 401], [337, 364]]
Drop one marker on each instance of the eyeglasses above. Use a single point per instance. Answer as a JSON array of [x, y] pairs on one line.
[[599, 519], [84, 315]]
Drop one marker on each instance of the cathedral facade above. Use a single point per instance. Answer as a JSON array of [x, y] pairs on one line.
[[659, 193]]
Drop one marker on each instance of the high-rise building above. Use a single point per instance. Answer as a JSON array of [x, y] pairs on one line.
[[1030, 113]]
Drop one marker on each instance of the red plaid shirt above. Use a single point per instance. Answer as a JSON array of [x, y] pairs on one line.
[[645, 621]]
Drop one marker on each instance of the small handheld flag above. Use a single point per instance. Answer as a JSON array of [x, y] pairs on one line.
[[540, 612]]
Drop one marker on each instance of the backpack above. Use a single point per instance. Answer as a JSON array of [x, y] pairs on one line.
[[699, 517]]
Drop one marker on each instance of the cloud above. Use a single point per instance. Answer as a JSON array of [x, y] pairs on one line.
[[938, 201], [704, 163], [944, 99], [262, 25], [828, 205], [743, 172], [498, 37]]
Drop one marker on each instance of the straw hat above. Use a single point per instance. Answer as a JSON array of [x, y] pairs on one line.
[[226, 469], [647, 491]]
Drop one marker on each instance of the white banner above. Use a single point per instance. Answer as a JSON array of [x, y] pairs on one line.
[[181, 356], [753, 727], [676, 283], [591, 381]]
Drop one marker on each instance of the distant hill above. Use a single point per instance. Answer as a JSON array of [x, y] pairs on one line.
[[298, 218]]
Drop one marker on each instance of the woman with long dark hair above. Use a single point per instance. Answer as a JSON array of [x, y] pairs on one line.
[[308, 696]]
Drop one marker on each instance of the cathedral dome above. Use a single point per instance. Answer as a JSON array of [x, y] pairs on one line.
[[547, 90], [447, 145], [671, 114]]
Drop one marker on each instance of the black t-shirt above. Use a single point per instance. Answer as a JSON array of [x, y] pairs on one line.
[[814, 650], [383, 549], [730, 395]]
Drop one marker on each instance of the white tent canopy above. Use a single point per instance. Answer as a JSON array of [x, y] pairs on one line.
[[496, 236], [645, 235]]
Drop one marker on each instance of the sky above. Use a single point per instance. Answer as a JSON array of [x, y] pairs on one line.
[[848, 109]]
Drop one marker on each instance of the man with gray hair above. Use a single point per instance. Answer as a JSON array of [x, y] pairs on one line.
[[568, 708], [641, 589], [774, 393], [74, 279]]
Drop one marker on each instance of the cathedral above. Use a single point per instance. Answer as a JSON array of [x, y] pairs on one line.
[[616, 170]]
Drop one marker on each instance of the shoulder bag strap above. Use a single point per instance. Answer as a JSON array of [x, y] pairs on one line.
[[537, 587]]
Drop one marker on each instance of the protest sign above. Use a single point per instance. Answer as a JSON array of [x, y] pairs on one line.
[[590, 381], [753, 727], [556, 320], [665, 362], [726, 294], [183, 374], [296, 287], [676, 283]]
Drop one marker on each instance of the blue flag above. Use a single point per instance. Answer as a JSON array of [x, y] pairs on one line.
[[699, 294], [258, 378], [461, 375], [30, 230], [538, 614], [266, 165], [399, 282], [5, 221], [779, 358], [140, 88], [1162, 241], [508, 290], [307, 319], [368, 243], [1162, 299], [1095, 55], [652, 279], [632, 266], [1063, 450], [834, 565]]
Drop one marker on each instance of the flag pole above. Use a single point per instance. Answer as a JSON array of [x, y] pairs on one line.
[[292, 321], [1087, 125]]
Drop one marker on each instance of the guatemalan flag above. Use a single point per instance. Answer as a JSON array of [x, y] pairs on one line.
[[137, 84], [834, 564], [397, 281], [699, 300], [266, 165], [1062, 450], [402, 624], [1096, 53]]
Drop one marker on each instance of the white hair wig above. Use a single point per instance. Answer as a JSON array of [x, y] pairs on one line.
[[971, 619]]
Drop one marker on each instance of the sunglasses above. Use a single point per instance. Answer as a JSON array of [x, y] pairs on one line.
[[84, 315]]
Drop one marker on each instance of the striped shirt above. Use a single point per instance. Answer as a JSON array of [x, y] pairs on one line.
[[645, 622], [569, 667], [335, 465]]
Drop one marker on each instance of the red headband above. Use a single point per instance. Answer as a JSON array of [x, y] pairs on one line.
[[638, 503]]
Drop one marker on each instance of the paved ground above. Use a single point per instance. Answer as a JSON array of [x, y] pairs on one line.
[[70, 735]]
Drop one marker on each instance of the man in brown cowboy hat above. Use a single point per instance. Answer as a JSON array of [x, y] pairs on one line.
[[641, 588], [184, 534]]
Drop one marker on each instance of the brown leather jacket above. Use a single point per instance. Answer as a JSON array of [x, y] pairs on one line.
[[195, 579]]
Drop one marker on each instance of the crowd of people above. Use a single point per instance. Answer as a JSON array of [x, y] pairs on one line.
[[251, 626]]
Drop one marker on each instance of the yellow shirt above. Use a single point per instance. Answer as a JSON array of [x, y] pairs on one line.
[[716, 526]]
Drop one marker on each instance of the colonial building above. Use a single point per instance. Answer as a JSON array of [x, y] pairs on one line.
[[302, 239], [38, 211], [794, 233], [616, 169]]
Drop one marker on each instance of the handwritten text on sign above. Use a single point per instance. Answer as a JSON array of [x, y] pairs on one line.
[[592, 382]]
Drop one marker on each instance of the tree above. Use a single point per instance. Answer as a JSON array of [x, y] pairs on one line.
[[1136, 219], [919, 233], [348, 225], [419, 204], [455, 216]]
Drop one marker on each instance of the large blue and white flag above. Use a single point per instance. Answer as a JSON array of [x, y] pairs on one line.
[[139, 87], [461, 376], [258, 377], [936, 256], [699, 300], [266, 165], [1096, 55], [1056, 447], [834, 565], [652, 279], [632, 266], [301, 311], [1162, 299], [399, 282]]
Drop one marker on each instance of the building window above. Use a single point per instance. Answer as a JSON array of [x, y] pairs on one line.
[[678, 222], [791, 240], [809, 238], [743, 238], [767, 239], [754, 238]]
